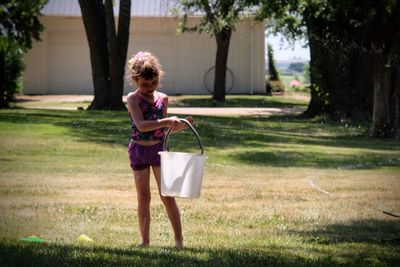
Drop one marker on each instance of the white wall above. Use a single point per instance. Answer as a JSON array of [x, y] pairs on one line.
[[60, 64], [36, 72]]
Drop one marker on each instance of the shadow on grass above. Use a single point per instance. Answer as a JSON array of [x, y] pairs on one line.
[[245, 131], [105, 127], [384, 233], [317, 160], [17, 254], [264, 141], [285, 141]]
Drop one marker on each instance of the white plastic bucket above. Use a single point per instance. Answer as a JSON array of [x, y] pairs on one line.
[[182, 173]]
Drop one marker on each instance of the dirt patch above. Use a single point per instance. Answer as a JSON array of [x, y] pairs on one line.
[[54, 98]]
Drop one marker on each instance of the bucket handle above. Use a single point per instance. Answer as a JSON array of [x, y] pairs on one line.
[[193, 130]]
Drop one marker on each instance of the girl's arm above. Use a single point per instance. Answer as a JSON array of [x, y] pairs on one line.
[[181, 125], [147, 125]]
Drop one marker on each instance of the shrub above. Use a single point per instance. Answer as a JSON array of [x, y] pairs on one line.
[[19, 26], [11, 67], [273, 82], [272, 71], [274, 87]]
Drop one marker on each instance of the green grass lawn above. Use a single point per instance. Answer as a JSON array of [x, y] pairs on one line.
[[66, 173], [290, 99]]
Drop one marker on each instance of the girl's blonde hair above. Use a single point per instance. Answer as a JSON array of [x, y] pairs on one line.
[[144, 65]]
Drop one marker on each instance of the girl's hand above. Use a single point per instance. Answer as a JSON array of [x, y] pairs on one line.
[[173, 122], [190, 119], [183, 125]]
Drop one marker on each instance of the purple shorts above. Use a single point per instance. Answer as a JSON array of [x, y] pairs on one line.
[[141, 156]]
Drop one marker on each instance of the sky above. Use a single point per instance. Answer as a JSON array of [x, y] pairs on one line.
[[283, 51]]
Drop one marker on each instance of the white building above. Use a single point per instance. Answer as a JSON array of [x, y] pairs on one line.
[[60, 63]]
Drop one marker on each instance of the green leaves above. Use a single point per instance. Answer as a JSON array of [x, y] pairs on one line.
[[19, 25], [19, 21], [216, 15]]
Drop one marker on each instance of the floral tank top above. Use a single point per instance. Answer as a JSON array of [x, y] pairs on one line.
[[150, 111]]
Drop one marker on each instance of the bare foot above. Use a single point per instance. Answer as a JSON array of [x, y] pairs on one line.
[[143, 245], [179, 244]]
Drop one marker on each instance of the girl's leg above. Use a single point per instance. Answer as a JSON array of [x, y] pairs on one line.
[[142, 182], [172, 211]]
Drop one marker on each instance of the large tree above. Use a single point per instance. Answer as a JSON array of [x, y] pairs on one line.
[[19, 26], [220, 17], [354, 48], [108, 49], [358, 47]]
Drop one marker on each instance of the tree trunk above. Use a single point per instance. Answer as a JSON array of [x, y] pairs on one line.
[[117, 56], [396, 92], [338, 81], [223, 39], [316, 105], [381, 117], [3, 102], [339, 78], [93, 15], [107, 50], [124, 21], [361, 87]]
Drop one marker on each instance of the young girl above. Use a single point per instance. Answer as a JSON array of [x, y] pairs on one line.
[[148, 112]]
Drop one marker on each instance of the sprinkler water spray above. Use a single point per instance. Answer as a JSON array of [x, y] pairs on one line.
[[312, 184]]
